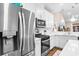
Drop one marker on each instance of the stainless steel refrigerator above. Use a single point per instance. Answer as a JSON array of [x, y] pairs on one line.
[[26, 29], [8, 28], [16, 30]]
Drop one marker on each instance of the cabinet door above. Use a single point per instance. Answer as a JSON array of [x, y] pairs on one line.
[[12, 25], [62, 42], [38, 47], [51, 42], [57, 41]]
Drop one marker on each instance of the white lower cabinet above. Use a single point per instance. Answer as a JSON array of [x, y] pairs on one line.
[[51, 43], [60, 40], [37, 46]]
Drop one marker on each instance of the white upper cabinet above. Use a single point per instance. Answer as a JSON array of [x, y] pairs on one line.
[[45, 15]]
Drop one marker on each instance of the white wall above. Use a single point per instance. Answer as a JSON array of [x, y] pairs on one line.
[[58, 20], [48, 17], [49, 22], [41, 13]]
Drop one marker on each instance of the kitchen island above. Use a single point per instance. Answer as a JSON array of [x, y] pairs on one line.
[[71, 48]]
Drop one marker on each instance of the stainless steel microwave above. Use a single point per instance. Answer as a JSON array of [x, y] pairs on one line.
[[40, 23]]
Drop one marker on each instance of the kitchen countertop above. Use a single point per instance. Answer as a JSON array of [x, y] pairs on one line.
[[64, 34], [71, 48]]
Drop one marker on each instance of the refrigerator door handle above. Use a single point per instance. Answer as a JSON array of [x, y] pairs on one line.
[[20, 30], [23, 30]]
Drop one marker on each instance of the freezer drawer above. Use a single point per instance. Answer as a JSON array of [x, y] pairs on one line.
[[13, 53], [7, 45]]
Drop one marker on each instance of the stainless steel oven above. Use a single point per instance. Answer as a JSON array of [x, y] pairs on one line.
[[45, 43], [45, 46]]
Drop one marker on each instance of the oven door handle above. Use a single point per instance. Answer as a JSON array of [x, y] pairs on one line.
[[45, 40]]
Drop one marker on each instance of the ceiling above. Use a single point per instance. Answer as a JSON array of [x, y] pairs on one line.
[[67, 9]]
